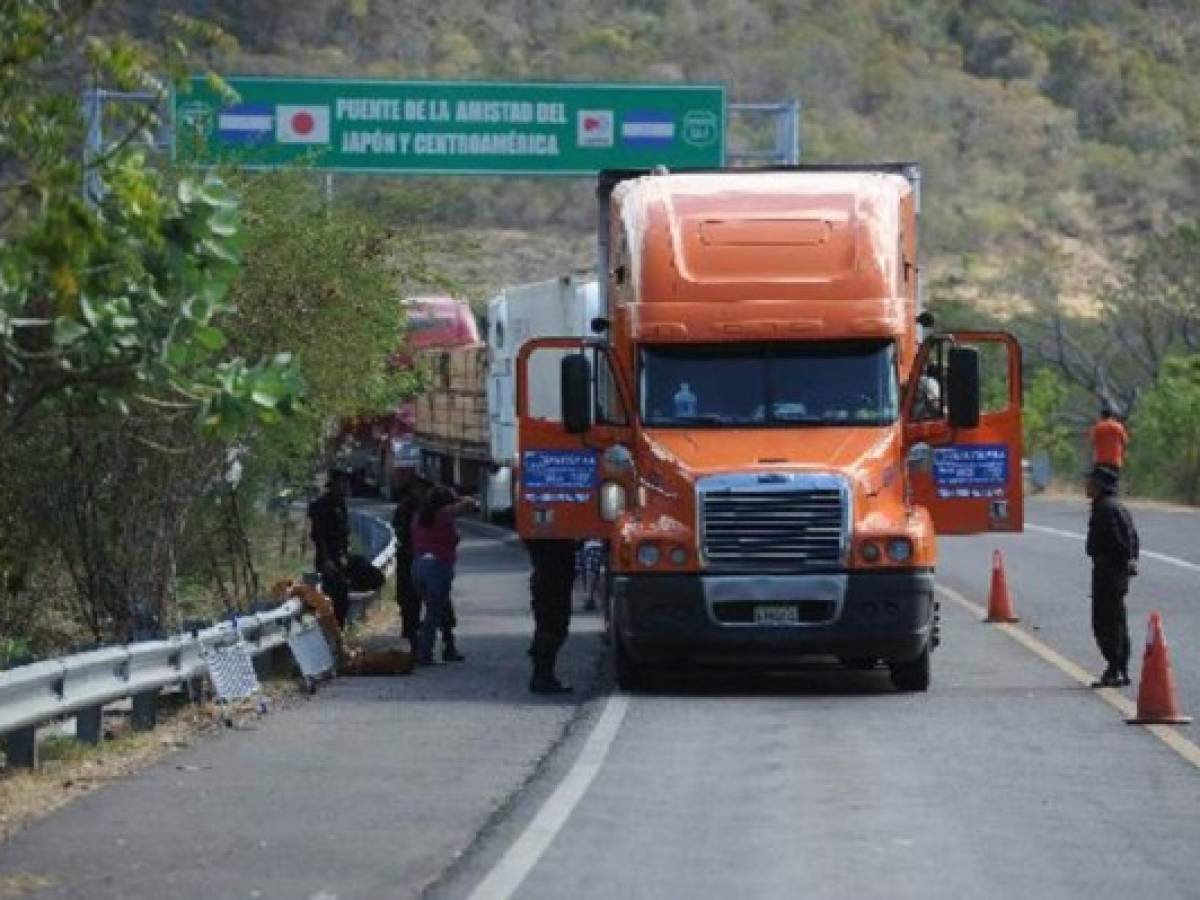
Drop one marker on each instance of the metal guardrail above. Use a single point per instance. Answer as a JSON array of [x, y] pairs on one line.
[[30, 695], [84, 682]]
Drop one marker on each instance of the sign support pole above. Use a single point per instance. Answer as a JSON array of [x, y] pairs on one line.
[[93, 146]]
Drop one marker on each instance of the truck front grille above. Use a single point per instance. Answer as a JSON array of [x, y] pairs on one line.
[[772, 529]]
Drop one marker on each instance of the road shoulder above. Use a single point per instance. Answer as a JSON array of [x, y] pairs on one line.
[[378, 784]]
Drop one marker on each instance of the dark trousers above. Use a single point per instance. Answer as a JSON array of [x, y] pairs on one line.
[[336, 588], [550, 595], [407, 597], [1110, 623], [433, 578]]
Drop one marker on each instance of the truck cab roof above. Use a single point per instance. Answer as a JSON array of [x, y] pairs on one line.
[[769, 238]]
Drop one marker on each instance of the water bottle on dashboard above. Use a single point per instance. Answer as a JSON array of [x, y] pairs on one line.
[[685, 402]]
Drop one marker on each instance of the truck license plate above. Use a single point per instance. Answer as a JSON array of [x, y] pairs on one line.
[[776, 615]]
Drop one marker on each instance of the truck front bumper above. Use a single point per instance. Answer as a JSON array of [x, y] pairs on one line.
[[715, 619]]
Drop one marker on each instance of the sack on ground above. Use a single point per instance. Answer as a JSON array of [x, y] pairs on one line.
[[363, 577], [377, 662]]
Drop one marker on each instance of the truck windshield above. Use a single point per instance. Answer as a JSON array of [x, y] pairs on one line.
[[771, 384]]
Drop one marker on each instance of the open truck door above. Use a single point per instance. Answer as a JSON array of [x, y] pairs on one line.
[[963, 434], [570, 411]]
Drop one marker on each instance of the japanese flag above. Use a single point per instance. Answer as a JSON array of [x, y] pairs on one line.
[[302, 124]]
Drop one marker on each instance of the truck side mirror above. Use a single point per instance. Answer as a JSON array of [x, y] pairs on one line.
[[963, 387], [576, 386]]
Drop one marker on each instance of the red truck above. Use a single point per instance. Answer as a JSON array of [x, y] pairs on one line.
[[381, 453]]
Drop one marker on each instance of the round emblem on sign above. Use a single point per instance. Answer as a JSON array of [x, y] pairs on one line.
[[196, 116], [700, 127]]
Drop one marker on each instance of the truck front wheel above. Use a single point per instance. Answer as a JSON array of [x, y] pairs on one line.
[[630, 676], [912, 675]]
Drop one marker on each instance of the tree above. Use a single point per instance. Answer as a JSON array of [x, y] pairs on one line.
[[1045, 429], [1165, 458], [331, 293], [1150, 312], [118, 387], [117, 301]]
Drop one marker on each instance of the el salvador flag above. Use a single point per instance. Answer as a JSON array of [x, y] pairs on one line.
[[246, 124], [648, 128]]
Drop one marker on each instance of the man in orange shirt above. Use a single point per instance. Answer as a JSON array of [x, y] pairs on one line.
[[1109, 439]]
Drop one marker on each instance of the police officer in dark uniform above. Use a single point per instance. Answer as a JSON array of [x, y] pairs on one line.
[[1112, 543], [550, 592], [406, 589], [331, 540]]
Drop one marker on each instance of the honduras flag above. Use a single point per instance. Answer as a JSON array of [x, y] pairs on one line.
[[246, 124], [648, 128]]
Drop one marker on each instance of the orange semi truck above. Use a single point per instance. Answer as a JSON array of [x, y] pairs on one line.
[[758, 429]]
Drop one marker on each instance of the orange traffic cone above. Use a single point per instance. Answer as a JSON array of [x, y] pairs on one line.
[[1156, 692], [999, 602]]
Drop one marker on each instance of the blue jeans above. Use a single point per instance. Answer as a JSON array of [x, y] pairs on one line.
[[433, 579]]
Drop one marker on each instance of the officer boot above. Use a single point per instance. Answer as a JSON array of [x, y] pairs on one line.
[[544, 680], [449, 650]]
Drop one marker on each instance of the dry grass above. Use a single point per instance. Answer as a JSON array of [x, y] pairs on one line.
[[505, 257], [21, 884], [70, 769]]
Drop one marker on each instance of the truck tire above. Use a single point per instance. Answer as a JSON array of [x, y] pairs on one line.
[[913, 675], [630, 676]]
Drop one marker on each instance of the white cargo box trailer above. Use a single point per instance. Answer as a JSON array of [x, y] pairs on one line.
[[562, 307]]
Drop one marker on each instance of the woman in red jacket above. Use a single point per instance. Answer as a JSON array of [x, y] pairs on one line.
[[435, 551]]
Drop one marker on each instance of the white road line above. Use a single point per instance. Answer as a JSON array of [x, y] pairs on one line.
[[1114, 698], [1149, 554], [506, 876]]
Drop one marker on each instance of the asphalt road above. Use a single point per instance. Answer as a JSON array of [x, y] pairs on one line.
[[371, 789], [1049, 579], [1007, 779]]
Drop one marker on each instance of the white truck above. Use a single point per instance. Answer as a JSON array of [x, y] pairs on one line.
[[563, 307]]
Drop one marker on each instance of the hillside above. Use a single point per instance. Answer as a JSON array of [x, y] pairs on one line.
[[1051, 132]]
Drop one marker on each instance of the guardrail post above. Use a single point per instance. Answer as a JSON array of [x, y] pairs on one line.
[[145, 711], [195, 689], [89, 725], [273, 663], [21, 748]]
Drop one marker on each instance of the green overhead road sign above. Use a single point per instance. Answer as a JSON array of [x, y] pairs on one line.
[[449, 128]]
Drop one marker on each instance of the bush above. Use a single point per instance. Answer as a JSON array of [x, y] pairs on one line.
[[1045, 431], [1164, 457]]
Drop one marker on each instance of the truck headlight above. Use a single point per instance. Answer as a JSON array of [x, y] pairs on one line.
[[612, 501], [648, 554], [899, 549], [869, 551], [677, 556]]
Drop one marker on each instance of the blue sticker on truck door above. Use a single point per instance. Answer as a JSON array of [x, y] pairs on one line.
[[558, 476], [971, 471]]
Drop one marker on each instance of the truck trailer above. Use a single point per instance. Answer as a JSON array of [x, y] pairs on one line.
[[766, 431], [559, 306], [379, 448], [450, 427]]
